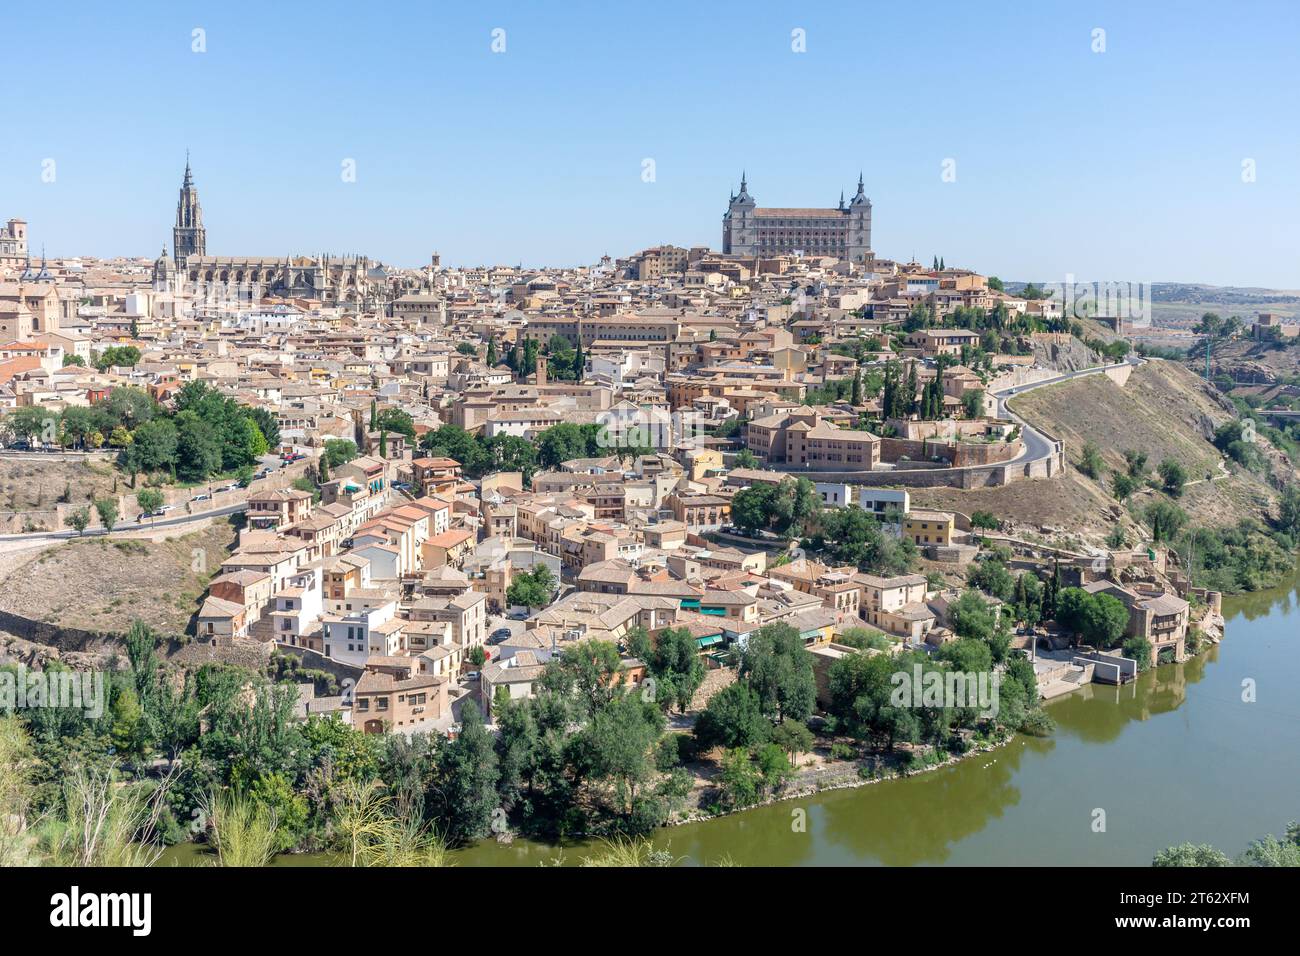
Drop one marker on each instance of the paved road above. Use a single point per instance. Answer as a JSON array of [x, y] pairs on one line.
[[270, 462], [130, 525], [1037, 445]]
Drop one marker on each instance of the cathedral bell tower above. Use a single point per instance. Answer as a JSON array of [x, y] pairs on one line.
[[189, 238]]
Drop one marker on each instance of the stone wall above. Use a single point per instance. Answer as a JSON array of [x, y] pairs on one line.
[[347, 674], [926, 475], [107, 644]]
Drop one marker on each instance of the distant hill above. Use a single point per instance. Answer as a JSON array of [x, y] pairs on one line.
[[1198, 292]]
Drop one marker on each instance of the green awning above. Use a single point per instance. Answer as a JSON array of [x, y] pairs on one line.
[[704, 642]]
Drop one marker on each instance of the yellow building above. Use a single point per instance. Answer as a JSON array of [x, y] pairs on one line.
[[929, 527]]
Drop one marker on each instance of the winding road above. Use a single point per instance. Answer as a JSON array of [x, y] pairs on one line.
[[1037, 445]]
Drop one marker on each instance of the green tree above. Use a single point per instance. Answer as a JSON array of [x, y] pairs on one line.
[[589, 673], [793, 738], [1136, 462], [1289, 510], [395, 420], [774, 767], [751, 507], [1165, 519], [122, 356], [676, 667], [339, 451], [779, 668], [992, 576], [198, 447], [1122, 485], [532, 589], [851, 535], [149, 500], [739, 780], [107, 509], [971, 616], [127, 719], [1098, 619], [1191, 854], [1173, 477], [153, 446], [1090, 461], [562, 443], [466, 781], [1138, 648], [619, 740], [267, 425], [79, 518], [732, 718]]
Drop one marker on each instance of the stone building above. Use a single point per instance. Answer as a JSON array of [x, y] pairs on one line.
[[189, 238], [843, 232], [13, 244], [332, 280]]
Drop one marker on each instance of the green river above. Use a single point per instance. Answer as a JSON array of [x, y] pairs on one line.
[[1176, 756]]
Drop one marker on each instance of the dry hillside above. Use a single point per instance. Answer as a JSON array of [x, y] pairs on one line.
[[1164, 410], [35, 484], [99, 584]]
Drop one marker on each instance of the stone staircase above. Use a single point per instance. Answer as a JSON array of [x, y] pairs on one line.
[[263, 629]]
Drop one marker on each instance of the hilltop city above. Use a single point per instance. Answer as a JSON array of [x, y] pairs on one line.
[[610, 546]]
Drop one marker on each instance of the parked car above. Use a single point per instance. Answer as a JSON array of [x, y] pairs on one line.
[[203, 497], [472, 675]]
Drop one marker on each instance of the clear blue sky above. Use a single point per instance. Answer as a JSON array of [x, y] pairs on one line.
[[1122, 165]]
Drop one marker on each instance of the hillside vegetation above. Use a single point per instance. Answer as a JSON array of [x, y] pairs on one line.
[[1164, 411]]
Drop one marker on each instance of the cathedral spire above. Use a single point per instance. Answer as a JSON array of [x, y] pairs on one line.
[[189, 238]]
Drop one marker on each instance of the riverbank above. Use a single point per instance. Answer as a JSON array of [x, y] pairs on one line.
[[840, 775], [1172, 757]]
